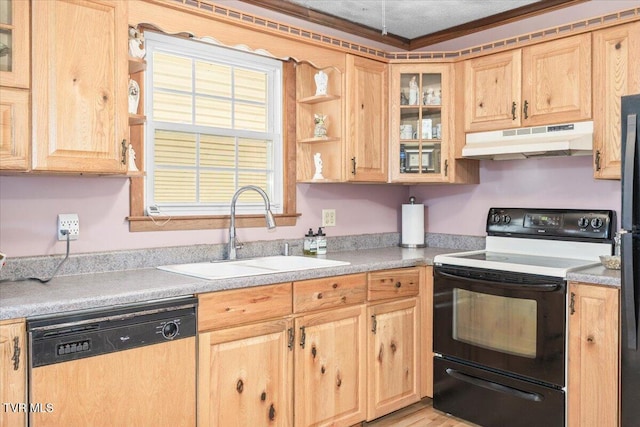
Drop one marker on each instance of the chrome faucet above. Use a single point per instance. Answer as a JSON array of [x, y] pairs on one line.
[[271, 222]]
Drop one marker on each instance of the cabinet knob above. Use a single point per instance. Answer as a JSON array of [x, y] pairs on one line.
[[398, 285]]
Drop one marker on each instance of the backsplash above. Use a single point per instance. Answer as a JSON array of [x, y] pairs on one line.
[[99, 262]]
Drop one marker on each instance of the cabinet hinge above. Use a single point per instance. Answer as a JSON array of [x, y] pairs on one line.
[[123, 159], [16, 353], [303, 336], [572, 304], [374, 324], [597, 160], [291, 338]]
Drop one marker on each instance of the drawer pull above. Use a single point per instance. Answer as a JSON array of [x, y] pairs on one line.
[[303, 337], [398, 285], [374, 324]]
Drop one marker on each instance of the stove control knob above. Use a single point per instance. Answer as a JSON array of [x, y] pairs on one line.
[[495, 218], [583, 222], [506, 219], [596, 222], [170, 330]]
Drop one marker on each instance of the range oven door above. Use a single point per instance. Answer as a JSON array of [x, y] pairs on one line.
[[510, 322]]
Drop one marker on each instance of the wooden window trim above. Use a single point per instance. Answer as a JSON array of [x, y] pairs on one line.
[[138, 221]]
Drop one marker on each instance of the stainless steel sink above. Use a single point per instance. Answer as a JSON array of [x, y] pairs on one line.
[[251, 266]]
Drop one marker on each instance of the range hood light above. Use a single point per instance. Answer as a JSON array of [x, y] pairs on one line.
[[573, 139]]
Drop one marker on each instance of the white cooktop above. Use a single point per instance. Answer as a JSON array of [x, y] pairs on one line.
[[531, 256]]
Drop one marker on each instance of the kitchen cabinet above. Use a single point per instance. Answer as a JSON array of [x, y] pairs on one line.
[[541, 84], [15, 144], [593, 367], [423, 136], [367, 131], [615, 73], [13, 373], [393, 341], [329, 359], [313, 105], [79, 93], [245, 357]]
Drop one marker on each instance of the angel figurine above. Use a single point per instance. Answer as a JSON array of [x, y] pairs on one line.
[[320, 130], [132, 159], [136, 41], [317, 161]]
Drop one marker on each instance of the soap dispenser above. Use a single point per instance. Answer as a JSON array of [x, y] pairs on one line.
[[309, 241], [321, 242]]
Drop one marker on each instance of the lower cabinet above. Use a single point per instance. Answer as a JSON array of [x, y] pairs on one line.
[[333, 351], [13, 373], [593, 342]]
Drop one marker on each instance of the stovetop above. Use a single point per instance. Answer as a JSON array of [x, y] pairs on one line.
[[548, 242]]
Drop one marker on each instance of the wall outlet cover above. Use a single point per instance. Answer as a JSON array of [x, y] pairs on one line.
[[71, 224]]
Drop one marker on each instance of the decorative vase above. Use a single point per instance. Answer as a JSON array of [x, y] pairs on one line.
[[134, 96]]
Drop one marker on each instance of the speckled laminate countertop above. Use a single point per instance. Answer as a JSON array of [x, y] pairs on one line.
[[85, 291]]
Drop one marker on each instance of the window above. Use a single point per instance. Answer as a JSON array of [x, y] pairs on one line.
[[214, 124]]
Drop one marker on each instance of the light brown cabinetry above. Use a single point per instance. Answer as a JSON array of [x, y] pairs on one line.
[[79, 93], [615, 73], [245, 357], [13, 373], [366, 118], [393, 341], [592, 389], [15, 143], [540, 84], [423, 133], [329, 360]]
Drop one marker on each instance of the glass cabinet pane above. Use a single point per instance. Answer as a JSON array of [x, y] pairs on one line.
[[6, 22], [420, 123]]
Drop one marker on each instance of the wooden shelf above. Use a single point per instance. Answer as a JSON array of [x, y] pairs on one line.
[[316, 140], [317, 99], [137, 119], [136, 65]]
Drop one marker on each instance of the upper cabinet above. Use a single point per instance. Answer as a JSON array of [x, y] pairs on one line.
[[14, 86], [341, 126], [423, 126], [367, 120], [615, 73], [541, 84], [79, 95]]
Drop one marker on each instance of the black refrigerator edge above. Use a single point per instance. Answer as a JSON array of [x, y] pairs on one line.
[[630, 250]]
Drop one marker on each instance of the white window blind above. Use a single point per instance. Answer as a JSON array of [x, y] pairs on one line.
[[214, 124]]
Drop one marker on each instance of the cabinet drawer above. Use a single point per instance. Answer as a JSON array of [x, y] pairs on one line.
[[393, 283], [222, 309], [329, 292]]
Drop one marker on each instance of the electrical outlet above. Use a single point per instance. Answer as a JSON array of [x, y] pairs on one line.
[[328, 217], [71, 224]]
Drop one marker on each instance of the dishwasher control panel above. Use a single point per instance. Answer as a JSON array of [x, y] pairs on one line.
[[74, 336]]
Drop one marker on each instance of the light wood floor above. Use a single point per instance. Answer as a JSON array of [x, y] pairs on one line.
[[420, 414]]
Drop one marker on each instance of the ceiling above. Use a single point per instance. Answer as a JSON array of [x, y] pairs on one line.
[[412, 24]]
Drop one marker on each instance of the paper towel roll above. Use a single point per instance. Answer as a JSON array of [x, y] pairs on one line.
[[413, 226]]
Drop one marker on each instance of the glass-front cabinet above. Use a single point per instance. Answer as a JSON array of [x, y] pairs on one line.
[[418, 130], [422, 126]]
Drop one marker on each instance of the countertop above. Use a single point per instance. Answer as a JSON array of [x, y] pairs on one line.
[[85, 291]]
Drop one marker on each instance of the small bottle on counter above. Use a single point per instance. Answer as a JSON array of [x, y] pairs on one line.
[[309, 238], [321, 240]]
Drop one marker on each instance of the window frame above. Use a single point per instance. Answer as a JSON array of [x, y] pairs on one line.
[[139, 220]]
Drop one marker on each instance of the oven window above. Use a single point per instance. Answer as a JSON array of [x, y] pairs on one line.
[[495, 322]]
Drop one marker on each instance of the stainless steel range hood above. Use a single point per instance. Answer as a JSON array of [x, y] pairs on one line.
[[572, 139]]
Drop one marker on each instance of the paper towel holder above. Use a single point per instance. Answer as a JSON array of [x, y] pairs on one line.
[[403, 238]]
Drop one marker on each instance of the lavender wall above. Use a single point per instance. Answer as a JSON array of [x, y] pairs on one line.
[[29, 206], [561, 182]]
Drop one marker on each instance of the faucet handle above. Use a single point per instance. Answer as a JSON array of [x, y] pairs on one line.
[[287, 248]]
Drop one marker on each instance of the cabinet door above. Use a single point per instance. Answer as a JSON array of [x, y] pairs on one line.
[[330, 367], [392, 361], [492, 91], [367, 133], [79, 93], [615, 73], [14, 33], [14, 129], [244, 376], [592, 389], [556, 85], [13, 373]]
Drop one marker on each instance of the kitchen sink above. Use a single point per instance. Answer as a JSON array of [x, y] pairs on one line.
[[251, 266]]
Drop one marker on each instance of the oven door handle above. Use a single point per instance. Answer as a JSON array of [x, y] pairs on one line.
[[544, 287], [535, 397]]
